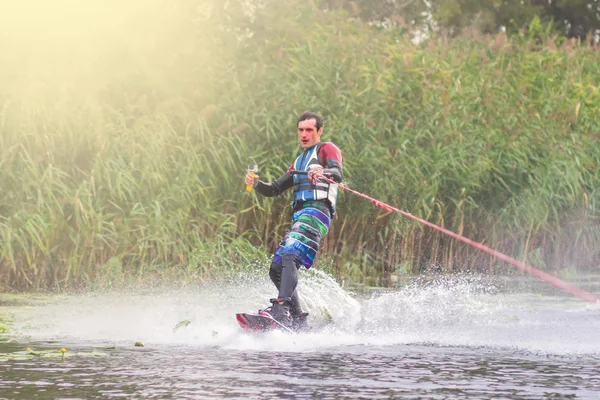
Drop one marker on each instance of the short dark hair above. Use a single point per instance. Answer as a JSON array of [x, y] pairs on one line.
[[311, 115]]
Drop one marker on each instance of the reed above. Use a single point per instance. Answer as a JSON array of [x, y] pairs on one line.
[[132, 167]]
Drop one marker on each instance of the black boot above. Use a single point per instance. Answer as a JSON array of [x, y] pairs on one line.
[[299, 322], [280, 312]]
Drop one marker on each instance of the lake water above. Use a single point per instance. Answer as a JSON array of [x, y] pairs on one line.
[[443, 339]]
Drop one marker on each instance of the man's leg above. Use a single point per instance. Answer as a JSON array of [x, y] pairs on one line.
[[289, 276], [298, 247], [282, 278]]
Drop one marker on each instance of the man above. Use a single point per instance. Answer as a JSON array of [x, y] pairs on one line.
[[313, 205]]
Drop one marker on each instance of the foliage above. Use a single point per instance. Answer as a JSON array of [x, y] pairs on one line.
[[572, 18], [122, 150]]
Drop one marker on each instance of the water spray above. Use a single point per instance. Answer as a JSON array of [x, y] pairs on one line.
[[582, 294]]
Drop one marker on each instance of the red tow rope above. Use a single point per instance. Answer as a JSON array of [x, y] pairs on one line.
[[582, 294]]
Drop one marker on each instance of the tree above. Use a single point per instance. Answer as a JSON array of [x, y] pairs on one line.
[[379, 10], [573, 18]]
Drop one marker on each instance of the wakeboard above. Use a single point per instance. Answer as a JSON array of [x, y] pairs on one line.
[[259, 323]]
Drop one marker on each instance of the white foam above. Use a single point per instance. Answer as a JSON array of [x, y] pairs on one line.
[[459, 312]]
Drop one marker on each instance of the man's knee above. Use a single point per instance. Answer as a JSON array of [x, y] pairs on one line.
[[275, 273]]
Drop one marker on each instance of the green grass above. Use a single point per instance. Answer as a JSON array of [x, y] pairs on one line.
[[132, 168]]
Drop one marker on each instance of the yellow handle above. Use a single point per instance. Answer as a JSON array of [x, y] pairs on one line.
[[249, 187]]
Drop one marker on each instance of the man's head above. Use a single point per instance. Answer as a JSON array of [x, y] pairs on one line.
[[310, 128]]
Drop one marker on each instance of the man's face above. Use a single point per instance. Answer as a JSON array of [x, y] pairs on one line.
[[308, 133]]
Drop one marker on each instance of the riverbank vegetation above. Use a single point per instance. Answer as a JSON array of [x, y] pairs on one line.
[[125, 135]]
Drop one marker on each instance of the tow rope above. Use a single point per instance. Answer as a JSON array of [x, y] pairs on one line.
[[582, 294]]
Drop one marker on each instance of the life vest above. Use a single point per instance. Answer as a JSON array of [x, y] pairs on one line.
[[304, 189]]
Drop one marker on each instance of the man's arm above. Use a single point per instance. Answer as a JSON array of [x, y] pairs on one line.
[[331, 156], [275, 188]]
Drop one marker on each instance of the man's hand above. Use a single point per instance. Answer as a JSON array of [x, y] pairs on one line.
[[251, 178], [315, 173]]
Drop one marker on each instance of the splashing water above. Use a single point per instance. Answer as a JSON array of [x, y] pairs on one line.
[[455, 312]]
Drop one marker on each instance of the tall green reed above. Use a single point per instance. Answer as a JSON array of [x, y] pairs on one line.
[[131, 169]]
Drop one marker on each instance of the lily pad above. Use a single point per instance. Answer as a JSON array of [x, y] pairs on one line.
[[62, 353]]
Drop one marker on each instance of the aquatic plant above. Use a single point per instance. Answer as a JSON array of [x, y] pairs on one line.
[[181, 324], [30, 353], [4, 322]]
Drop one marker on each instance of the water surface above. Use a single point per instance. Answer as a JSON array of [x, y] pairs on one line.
[[462, 338]]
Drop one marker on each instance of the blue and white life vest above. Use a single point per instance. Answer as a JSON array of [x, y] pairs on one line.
[[304, 189]]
